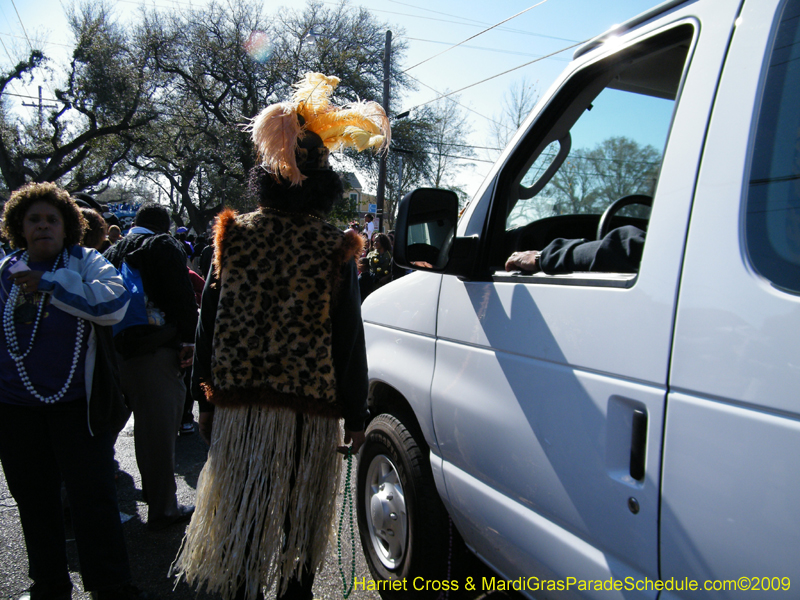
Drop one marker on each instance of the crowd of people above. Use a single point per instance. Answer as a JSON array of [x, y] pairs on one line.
[[374, 257], [262, 328]]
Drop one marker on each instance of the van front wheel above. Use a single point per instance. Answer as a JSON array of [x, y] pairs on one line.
[[402, 522]]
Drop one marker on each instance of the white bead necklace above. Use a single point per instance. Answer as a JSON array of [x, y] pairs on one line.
[[13, 345]]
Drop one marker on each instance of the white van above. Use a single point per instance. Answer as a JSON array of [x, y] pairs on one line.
[[638, 430]]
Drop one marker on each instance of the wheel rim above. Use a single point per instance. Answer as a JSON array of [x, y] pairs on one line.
[[387, 519]]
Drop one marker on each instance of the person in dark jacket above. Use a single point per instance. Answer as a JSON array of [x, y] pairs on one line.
[[620, 251], [153, 356], [206, 256], [281, 357]]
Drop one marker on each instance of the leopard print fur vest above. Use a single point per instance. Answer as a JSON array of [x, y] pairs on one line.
[[278, 274]]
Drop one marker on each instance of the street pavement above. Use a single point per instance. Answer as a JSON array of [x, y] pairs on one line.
[[151, 553]]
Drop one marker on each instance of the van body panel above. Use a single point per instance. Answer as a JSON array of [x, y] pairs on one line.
[[409, 304], [393, 354], [731, 479], [565, 448], [730, 495], [526, 545], [736, 333]]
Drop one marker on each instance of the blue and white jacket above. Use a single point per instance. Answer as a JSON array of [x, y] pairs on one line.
[[92, 289]]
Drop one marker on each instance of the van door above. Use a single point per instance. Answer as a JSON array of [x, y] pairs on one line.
[[731, 483], [549, 390]]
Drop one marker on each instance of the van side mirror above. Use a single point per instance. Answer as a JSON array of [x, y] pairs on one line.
[[426, 226], [425, 232]]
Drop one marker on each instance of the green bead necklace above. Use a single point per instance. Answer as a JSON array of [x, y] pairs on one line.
[[347, 503]]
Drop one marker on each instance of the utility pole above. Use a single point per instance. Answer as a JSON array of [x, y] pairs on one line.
[[399, 180], [41, 107], [387, 55]]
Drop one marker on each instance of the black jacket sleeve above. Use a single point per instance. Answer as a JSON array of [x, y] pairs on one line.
[[620, 251], [349, 350], [203, 342]]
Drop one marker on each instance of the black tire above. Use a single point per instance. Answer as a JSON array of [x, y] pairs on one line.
[[415, 542]]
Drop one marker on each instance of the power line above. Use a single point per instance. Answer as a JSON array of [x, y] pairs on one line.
[[462, 21], [483, 24], [476, 35], [475, 147], [497, 75], [17, 94], [21, 24], [32, 97], [499, 50], [466, 158], [20, 37], [464, 106], [442, 96], [9, 56]]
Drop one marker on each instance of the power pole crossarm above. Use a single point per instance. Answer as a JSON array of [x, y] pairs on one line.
[[41, 106]]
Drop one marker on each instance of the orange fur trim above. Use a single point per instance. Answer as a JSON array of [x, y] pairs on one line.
[[225, 220]]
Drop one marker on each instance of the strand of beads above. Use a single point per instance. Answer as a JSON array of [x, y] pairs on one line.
[[13, 344], [347, 499], [8, 317], [23, 373]]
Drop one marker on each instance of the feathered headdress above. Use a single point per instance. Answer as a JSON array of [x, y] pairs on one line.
[[296, 136]]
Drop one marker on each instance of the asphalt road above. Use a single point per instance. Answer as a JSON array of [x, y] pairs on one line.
[[151, 553]]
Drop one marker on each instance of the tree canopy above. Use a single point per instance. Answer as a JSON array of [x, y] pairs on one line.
[[107, 91], [159, 102]]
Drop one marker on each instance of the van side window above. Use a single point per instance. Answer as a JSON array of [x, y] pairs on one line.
[[605, 144], [773, 200]]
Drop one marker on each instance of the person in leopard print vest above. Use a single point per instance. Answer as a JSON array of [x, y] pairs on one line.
[[280, 359]]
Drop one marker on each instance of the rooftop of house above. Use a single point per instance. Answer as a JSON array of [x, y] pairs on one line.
[[351, 181]]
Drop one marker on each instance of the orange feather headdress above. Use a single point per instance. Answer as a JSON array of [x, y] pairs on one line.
[[297, 135]]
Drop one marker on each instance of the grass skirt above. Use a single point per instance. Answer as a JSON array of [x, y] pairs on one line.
[[265, 501]]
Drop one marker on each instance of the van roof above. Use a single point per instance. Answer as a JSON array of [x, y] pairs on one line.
[[627, 26]]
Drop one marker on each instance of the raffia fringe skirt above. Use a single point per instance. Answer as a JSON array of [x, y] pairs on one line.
[[251, 526]]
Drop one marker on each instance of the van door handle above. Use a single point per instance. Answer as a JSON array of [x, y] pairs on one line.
[[638, 444]]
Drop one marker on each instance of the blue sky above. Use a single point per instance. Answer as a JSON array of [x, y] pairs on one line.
[[429, 28]]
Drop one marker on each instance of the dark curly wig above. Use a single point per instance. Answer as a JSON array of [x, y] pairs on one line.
[[25, 197], [316, 195]]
